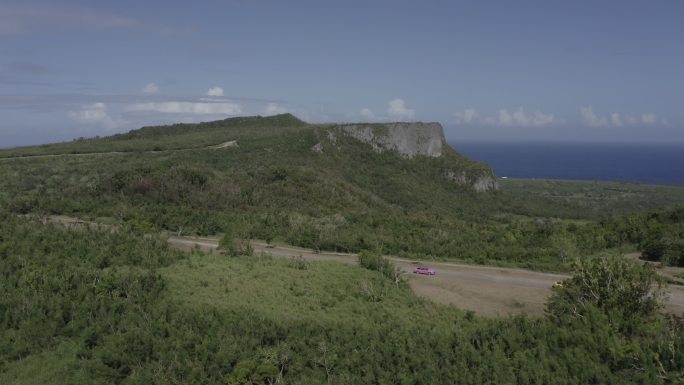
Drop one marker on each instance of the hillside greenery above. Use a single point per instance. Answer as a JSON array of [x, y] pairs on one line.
[[87, 305], [273, 186]]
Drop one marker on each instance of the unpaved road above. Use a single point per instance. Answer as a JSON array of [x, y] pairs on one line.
[[488, 291], [225, 145]]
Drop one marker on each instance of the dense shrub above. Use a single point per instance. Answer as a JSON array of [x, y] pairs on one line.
[[373, 261], [100, 291]]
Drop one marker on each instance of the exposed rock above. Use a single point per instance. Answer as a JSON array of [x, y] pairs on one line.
[[485, 183], [318, 147], [408, 139], [459, 177], [480, 183], [411, 140]]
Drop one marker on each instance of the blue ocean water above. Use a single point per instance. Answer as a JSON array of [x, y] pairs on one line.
[[626, 162]]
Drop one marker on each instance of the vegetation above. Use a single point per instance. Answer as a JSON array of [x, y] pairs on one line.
[[348, 198], [619, 301], [373, 261], [659, 234], [86, 305]]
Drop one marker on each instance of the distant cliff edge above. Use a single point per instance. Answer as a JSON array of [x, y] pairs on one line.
[[415, 139]]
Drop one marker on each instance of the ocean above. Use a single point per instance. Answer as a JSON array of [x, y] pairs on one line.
[[625, 162]]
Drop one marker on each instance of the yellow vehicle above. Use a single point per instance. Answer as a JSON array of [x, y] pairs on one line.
[[557, 285]]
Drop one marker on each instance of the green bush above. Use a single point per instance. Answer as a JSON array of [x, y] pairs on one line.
[[232, 247], [373, 261]]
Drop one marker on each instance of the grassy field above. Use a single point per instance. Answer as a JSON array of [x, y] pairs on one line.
[[297, 291]]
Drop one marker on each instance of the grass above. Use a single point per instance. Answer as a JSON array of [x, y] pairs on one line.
[[173, 137], [319, 292]]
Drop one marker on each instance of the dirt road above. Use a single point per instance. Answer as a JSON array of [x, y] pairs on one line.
[[225, 145], [488, 291]]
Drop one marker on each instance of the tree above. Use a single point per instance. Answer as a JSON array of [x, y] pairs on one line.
[[251, 372], [232, 247], [374, 261], [627, 293]]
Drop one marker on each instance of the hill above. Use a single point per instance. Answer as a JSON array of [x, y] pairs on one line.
[[397, 188]]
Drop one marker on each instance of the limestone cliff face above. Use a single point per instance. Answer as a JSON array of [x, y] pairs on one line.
[[486, 183], [480, 182], [408, 139], [411, 140]]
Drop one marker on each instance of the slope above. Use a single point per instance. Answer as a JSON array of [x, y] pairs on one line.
[[307, 185]]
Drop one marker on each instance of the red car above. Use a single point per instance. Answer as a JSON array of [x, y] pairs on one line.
[[423, 270]]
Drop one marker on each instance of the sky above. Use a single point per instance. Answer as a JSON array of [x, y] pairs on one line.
[[587, 71]]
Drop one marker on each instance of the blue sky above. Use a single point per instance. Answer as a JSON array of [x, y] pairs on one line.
[[487, 70]]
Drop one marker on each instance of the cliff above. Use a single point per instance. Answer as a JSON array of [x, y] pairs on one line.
[[408, 139], [416, 139]]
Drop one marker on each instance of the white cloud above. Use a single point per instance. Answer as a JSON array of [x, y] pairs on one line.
[[215, 91], [506, 118], [150, 89], [195, 108], [467, 116], [274, 109], [94, 115], [616, 120], [590, 118], [520, 118], [648, 119], [367, 114], [397, 110]]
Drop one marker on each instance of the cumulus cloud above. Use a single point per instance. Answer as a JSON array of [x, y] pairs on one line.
[[94, 115], [648, 119], [591, 119], [367, 114], [215, 91], [520, 118], [505, 118], [615, 119], [630, 120], [398, 111], [274, 109], [467, 116], [194, 108], [150, 89]]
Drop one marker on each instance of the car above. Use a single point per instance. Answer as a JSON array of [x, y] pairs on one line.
[[424, 270], [557, 285]]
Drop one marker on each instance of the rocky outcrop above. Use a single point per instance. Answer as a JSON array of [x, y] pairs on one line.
[[486, 183], [408, 139], [411, 140], [480, 183]]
